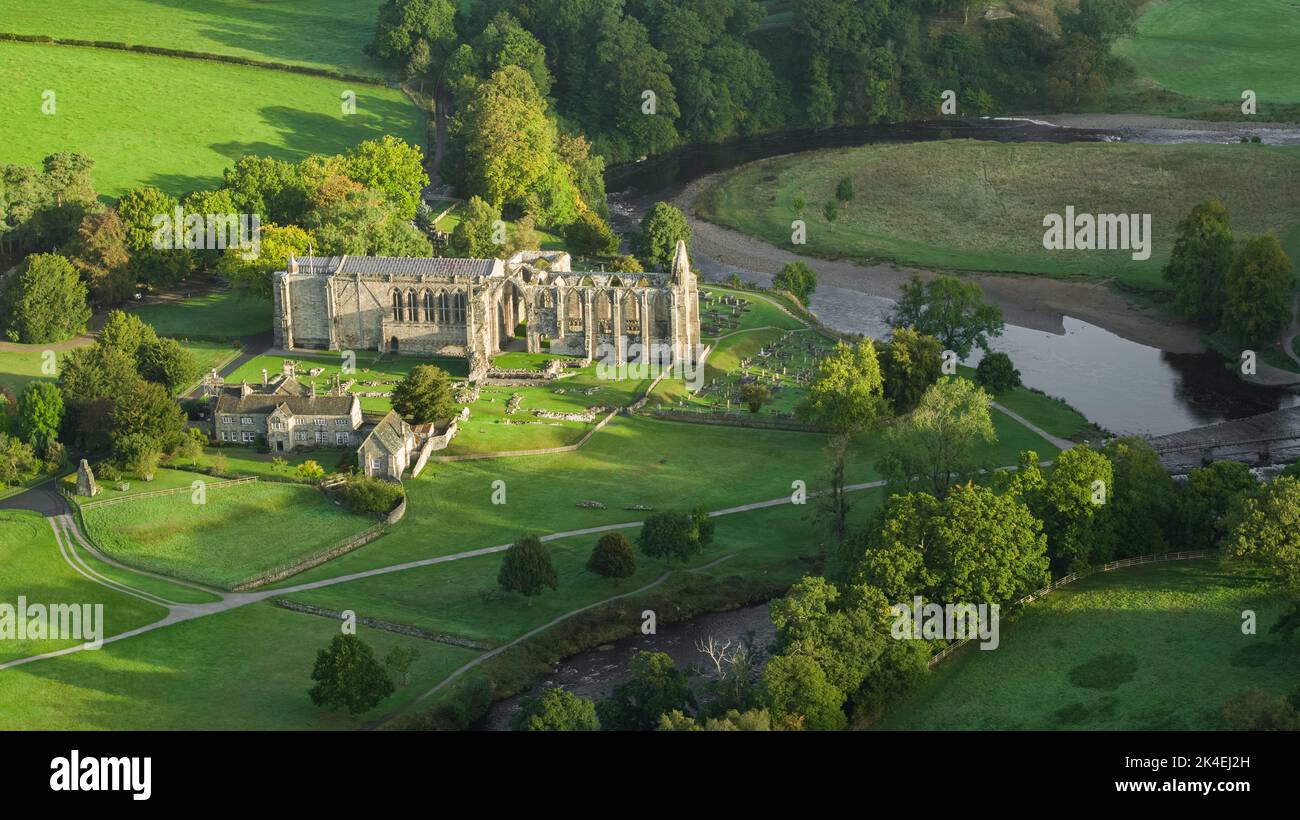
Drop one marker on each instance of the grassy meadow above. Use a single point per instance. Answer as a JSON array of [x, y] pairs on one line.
[[177, 123], [972, 205], [1158, 647], [328, 34], [230, 538], [223, 314]]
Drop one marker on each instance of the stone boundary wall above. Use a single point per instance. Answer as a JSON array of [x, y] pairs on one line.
[[302, 565], [388, 626]]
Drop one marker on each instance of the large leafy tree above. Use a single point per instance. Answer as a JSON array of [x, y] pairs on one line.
[[846, 393], [671, 534], [797, 278], [662, 227], [166, 362], [656, 687], [128, 333], [17, 460], [393, 168], [801, 696], [277, 244], [527, 568], [1198, 264], [951, 310], [612, 556], [425, 395], [474, 236], [1258, 291], [98, 252], [1070, 501], [348, 675], [44, 301], [937, 445], [1265, 529], [1207, 498], [364, 223], [416, 35], [813, 619], [40, 412], [555, 710], [147, 411], [909, 362]]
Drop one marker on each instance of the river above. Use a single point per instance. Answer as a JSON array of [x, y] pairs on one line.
[[1121, 384]]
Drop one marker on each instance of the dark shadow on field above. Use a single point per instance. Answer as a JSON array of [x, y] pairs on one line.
[[280, 32], [178, 185], [306, 132]]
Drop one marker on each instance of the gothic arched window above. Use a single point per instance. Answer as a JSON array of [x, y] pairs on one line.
[[397, 306], [428, 307]]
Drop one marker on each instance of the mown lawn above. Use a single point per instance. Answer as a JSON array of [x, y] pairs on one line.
[[31, 566], [370, 367], [1214, 51], [225, 314], [241, 531], [20, 364], [1151, 648], [144, 121], [980, 206]]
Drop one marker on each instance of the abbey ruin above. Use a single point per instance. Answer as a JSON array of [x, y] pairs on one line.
[[473, 308]]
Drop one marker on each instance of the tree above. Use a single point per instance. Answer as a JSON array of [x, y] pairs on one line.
[[92, 379], [364, 223], [40, 412], [17, 461], [44, 301], [555, 710], [527, 568], [909, 363], [751, 720], [951, 310], [148, 411], [425, 395], [474, 236], [274, 189], [996, 373], [347, 675], [843, 634], [590, 235], [164, 361], [656, 687], [1140, 506], [1198, 264], [98, 252], [936, 446], [1102, 20], [367, 495], [612, 556], [844, 189], [1207, 498], [799, 694], [1258, 291], [672, 535], [1262, 530], [392, 167], [128, 333], [1079, 485], [797, 278], [398, 661], [415, 35], [1258, 710], [137, 453], [846, 393], [275, 247], [661, 229], [755, 395]]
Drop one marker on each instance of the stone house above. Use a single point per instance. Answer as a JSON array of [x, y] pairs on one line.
[[287, 414], [388, 450]]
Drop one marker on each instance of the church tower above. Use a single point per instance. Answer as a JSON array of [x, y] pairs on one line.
[[686, 318]]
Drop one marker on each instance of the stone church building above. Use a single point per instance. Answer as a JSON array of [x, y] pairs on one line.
[[470, 308]]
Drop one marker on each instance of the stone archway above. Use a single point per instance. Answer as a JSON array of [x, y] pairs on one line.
[[392, 345]]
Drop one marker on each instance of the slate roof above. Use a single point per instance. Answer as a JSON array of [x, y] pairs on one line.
[[231, 403], [389, 434], [396, 266]]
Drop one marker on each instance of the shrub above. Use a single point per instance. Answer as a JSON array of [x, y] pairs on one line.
[[844, 190], [612, 556], [309, 470], [364, 495]]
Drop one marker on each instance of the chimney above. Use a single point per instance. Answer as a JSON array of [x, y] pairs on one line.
[[293, 264], [313, 388], [287, 369], [244, 389], [264, 377]]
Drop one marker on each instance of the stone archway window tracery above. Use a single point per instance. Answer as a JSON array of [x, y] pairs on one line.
[[429, 314], [397, 305]]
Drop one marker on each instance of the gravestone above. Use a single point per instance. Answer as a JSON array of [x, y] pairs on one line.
[[86, 480]]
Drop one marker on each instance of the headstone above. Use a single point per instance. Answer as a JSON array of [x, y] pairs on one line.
[[86, 485]]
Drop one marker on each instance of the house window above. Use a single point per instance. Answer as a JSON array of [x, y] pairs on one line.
[[322, 437], [248, 435], [322, 422], [341, 439], [227, 419], [341, 421], [377, 464], [276, 424], [246, 420], [301, 436]]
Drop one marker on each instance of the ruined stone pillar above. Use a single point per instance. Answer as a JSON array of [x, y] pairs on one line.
[[646, 318], [620, 355]]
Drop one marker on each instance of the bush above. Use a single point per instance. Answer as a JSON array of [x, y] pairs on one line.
[[997, 374], [844, 190], [364, 495], [309, 470], [527, 568], [612, 556]]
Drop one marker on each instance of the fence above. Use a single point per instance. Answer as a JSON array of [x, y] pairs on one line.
[[1186, 555], [155, 493]]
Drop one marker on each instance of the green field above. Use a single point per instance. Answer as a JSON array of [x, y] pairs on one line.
[[223, 314], [231, 538], [20, 364], [1151, 648], [980, 206], [318, 33], [177, 123], [1213, 51]]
